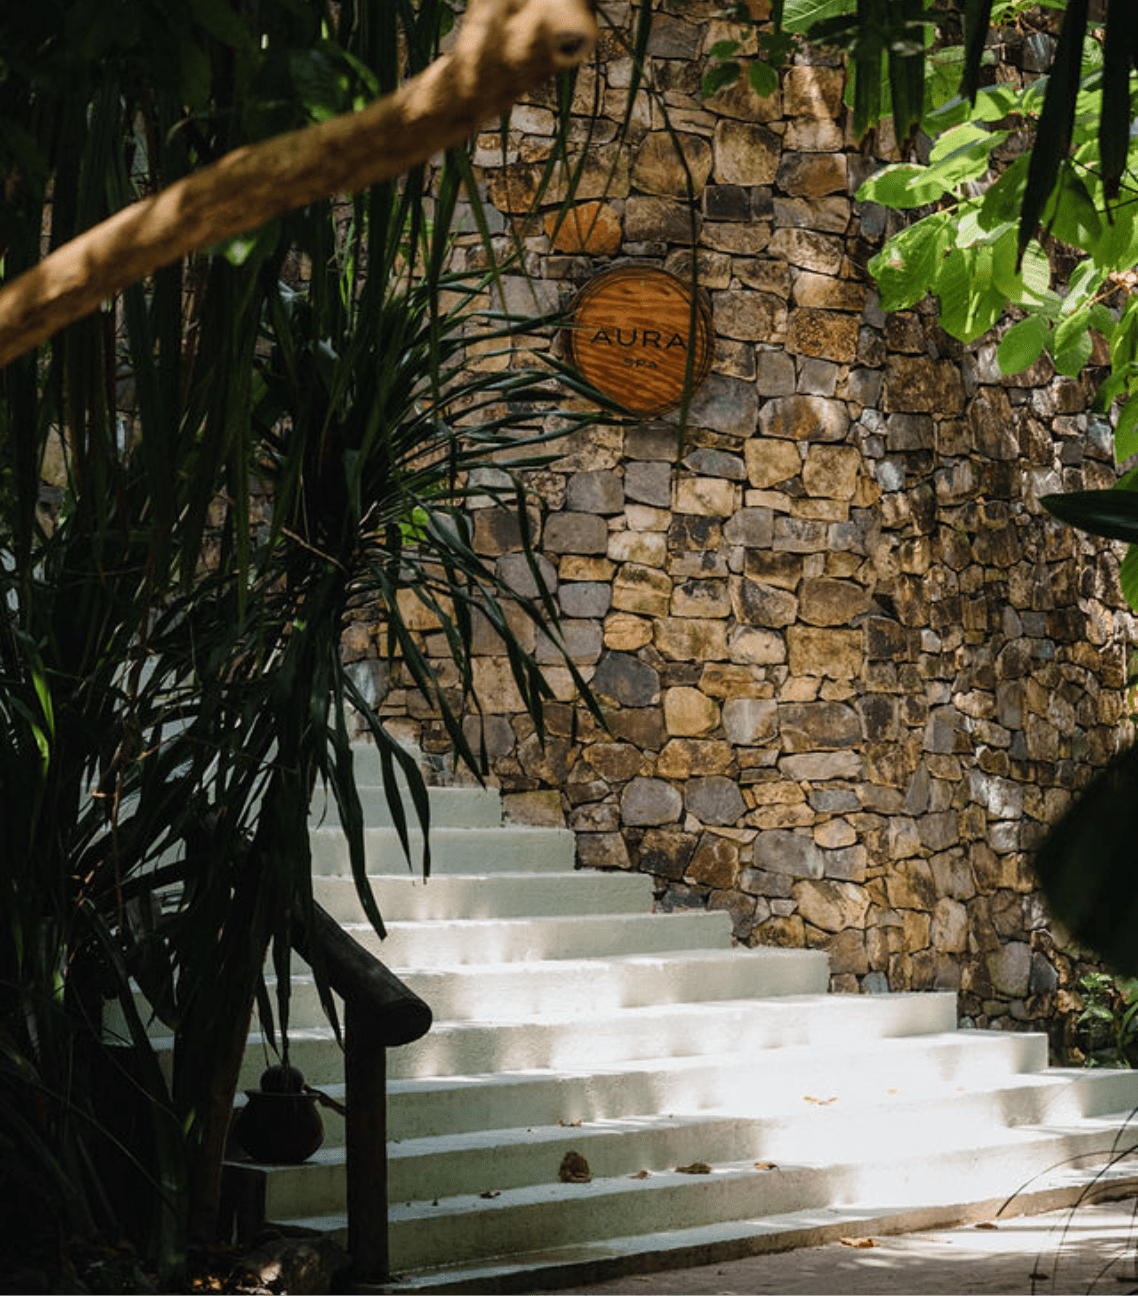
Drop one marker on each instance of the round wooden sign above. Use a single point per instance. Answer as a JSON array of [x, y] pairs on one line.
[[636, 334]]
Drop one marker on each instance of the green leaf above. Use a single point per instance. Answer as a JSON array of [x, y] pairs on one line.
[[723, 49], [903, 185], [1022, 344], [763, 78], [907, 265], [1128, 576], [1086, 865], [1109, 513], [1126, 431], [718, 78], [1072, 216], [970, 303], [961, 154], [801, 15], [1001, 202], [1072, 344], [223, 22]]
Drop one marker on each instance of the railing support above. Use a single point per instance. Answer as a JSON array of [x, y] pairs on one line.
[[365, 1076]]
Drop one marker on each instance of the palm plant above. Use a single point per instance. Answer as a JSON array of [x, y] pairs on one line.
[[233, 462]]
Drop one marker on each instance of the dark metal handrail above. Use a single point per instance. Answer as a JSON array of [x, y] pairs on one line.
[[380, 1012]]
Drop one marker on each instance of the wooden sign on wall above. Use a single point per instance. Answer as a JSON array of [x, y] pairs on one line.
[[636, 334]]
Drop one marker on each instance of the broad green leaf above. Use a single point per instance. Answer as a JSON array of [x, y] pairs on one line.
[[1001, 202], [1126, 431], [903, 185], [1071, 215], [970, 304], [1071, 345], [1109, 513], [1084, 282], [907, 265], [1128, 576], [1022, 344], [801, 15], [961, 154]]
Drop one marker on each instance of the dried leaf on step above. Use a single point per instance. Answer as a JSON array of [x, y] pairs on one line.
[[640, 1174], [765, 1165], [696, 1167], [574, 1169], [985, 1224], [490, 1192], [857, 1242], [569, 1124], [822, 1102]]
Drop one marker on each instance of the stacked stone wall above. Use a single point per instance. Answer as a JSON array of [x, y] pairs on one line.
[[850, 669]]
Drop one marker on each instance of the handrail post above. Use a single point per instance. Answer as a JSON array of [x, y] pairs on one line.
[[365, 1077]]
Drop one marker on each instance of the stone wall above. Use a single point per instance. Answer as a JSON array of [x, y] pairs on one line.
[[850, 669]]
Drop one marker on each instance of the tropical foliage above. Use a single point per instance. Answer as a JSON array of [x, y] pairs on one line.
[[196, 485]]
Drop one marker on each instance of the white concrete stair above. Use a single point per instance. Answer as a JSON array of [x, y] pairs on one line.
[[568, 1018]]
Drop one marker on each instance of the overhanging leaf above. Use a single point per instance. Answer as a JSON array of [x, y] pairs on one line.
[[1110, 513], [1022, 344], [1086, 865]]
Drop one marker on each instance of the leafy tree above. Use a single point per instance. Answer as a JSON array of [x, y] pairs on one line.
[[197, 482]]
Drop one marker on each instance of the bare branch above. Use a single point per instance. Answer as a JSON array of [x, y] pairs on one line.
[[504, 49]]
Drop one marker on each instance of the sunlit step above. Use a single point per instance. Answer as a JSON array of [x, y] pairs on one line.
[[504, 1222], [489, 895], [449, 807], [457, 942], [581, 988], [510, 849]]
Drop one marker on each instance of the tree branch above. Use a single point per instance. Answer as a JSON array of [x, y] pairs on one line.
[[504, 49]]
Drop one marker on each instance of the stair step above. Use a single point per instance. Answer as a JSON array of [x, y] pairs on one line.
[[489, 895], [477, 1226], [934, 1120], [456, 942], [593, 1261], [509, 849], [450, 807], [579, 988]]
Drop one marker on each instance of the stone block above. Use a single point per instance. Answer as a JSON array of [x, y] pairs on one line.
[[804, 418], [647, 802], [626, 633], [599, 491], [829, 335], [811, 767], [826, 602], [791, 853], [831, 905], [921, 385], [812, 92], [658, 167], [585, 598], [837, 654], [649, 483], [750, 316], [689, 713], [745, 153], [664, 220], [708, 496], [602, 851], [808, 249], [728, 405], [714, 863], [588, 229], [701, 598], [691, 639], [643, 590], [626, 679], [831, 471], [768, 568], [645, 548], [757, 647], [818, 726], [714, 799], [770, 461], [765, 605], [682, 758], [667, 852], [750, 722]]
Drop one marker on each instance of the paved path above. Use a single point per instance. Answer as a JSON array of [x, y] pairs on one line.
[[1089, 1249]]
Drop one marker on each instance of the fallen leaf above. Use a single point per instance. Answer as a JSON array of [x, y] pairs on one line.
[[696, 1167], [569, 1124], [574, 1169], [765, 1165], [490, 1192], [822, 1102], [858, 1242], [891, 1091], [640, 1174], [986, 1225]]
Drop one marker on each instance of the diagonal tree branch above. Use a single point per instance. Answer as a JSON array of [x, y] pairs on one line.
[[504, 49]]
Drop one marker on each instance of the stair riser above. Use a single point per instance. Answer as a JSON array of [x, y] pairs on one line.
[[445, 945], [679, 1030], [453, 851], [504, 895]]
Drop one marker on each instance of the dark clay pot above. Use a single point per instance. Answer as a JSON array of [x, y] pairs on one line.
[[279, 1128]]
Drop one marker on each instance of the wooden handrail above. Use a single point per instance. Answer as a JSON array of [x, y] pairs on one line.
[[380, 1012]]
